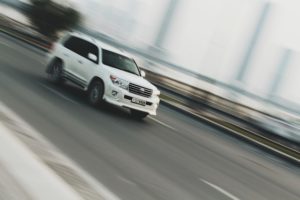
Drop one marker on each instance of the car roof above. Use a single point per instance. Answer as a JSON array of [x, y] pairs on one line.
[[100, 44]]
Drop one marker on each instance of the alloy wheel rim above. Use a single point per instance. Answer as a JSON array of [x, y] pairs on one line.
[[95, 93], [56, 71]]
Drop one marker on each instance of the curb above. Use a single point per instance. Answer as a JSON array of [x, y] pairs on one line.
[[38, 181], [59, 174]]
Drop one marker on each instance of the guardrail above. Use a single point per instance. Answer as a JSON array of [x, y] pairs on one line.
[[24, 33], [187, 98], [273, 146]]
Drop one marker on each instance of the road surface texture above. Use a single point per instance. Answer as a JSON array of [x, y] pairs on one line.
[[170, 156]]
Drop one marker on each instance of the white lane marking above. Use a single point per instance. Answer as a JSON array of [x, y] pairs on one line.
[[4, 43], [231, 196], [162, 123], [58, 93], [126, 180]]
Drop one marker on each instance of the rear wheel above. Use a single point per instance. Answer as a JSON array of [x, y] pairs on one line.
[[138, 114], [55, 73], [95, 93]]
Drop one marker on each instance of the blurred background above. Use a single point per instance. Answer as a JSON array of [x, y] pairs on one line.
[[243, 51], [228, 75]]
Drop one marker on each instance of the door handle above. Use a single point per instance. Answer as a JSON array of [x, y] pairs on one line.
[[67, 55], [80, 61]]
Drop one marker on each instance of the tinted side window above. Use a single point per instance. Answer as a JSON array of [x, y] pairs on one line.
[[73, 44], [82, 47], [87, 48]]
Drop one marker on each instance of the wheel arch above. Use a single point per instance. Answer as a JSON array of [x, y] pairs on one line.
[[93, 80], [55, 59], [96, 78]]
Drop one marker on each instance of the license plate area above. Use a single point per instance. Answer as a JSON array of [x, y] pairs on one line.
[[138, 101]]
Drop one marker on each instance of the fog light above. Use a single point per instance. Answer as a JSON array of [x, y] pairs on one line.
[[114, 93]]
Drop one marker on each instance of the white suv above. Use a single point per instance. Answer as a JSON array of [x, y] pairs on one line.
[[105, 72]]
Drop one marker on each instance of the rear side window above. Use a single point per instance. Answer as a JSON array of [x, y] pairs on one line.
[[72, 44], [82, 47]]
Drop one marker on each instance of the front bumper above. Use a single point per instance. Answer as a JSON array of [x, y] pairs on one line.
[[123, 98]]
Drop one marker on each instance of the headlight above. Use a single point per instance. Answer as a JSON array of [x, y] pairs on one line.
[[119, 82], [156, 92]]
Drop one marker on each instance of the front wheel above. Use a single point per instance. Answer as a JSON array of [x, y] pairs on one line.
[[95, 93], [138, 114]]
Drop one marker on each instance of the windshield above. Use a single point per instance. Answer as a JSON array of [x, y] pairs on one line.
[[120, 62]]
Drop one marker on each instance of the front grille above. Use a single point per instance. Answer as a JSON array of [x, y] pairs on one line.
[[139, 90]]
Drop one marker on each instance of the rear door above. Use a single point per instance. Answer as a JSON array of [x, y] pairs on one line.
[[74, 55], [70, 54], [84, 66]]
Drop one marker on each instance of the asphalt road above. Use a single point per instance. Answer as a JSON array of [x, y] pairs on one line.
[[170, 156]]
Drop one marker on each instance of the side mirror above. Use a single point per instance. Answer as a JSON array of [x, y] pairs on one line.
[[92, 57], [143, 73]]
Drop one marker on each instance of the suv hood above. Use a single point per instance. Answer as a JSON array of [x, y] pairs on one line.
[[132, 78]]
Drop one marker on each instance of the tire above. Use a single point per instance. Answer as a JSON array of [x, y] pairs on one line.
[[55, 72], [95, 93], [138, 114]]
